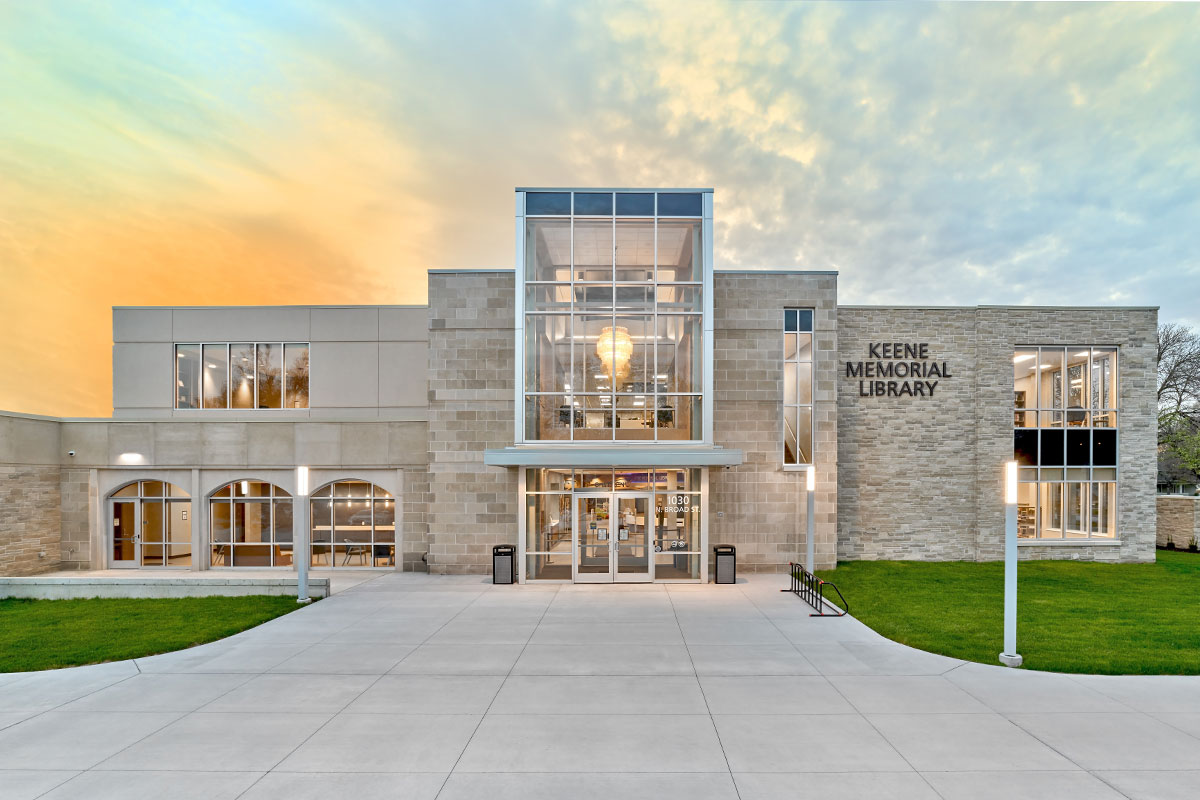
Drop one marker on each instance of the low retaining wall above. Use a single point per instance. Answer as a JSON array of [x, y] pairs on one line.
[[72, 588], [1178, 519]]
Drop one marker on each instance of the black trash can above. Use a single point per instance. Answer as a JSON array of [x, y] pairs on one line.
[[504, 558], [726, 567]]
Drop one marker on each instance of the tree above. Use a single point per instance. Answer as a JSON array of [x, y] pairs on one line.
[[1178, 402]]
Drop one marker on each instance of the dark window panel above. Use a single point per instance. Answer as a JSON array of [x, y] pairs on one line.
[[1052, 448], [1025, 447], [593, 203], [640, 204], [1079, 448], [679, 205], [790, 320], [804, 320], [547, 203], [1104, 448]]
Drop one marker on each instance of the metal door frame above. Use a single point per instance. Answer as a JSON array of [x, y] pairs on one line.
[[136, 562], [634, 577]]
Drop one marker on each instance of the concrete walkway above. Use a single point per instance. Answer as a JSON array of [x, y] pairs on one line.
[[418, 687]]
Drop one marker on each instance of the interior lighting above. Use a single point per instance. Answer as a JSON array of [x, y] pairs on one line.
[[1081, 355], [615, 348], [1025, 357], [245, 487], [179, 355]]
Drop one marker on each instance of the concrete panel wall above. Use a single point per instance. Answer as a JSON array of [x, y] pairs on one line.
[[366, 363], [471, 506], [921, 477], [759, 506], [344, 375], [1178, 520]]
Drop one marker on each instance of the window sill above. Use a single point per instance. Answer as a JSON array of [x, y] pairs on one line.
[[1068, 542]]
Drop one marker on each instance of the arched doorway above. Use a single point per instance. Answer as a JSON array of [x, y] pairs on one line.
[[150, 526]]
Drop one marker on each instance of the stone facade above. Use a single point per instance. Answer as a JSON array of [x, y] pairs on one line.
[[77, 492], [471, 384], [1178, 520], [921, 477], [759, 507], [30, 531]]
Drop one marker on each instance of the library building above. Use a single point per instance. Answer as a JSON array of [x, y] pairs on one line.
[[613, 406]]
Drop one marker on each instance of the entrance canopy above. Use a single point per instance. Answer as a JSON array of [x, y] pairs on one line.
[[575, 456]]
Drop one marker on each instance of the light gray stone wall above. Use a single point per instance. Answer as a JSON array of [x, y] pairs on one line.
[[759, 507], [30, 526], [1178, 520], [76, 496], [921, 478], [471, 507], [36, 450]]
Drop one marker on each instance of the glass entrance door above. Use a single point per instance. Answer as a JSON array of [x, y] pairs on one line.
[[125, 539], [593, 548], [613, 535], [633, 545]]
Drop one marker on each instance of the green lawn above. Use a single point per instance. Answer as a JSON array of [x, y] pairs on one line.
[[1072, 616], [45, 634]]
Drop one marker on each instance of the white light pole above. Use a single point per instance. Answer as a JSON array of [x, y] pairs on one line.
[[1010, 657], [810, 546], [300, 548]]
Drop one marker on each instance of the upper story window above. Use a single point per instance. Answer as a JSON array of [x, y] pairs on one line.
[[1065, 420], [797, 386], [241, 375], [613, 287]]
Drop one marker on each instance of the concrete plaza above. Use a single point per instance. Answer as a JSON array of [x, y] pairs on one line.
[[438, 687]]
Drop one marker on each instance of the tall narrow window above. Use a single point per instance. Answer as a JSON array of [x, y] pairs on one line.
[[797, 386]]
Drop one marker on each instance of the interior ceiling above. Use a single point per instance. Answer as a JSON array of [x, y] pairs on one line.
[[635, 244]]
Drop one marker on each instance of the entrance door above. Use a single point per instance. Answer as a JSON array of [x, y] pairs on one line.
[[125, 538], [634, 542], [593, 538], [613, 538]]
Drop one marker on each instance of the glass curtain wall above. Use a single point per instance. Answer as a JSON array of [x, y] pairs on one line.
[[673, 529], [613, 324], [1065, 421], [353, 525], [241, 375]]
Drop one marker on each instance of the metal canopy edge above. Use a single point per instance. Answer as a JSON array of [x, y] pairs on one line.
[[612, 457]]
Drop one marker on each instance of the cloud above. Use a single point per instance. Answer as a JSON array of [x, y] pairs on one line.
[[332, 152]]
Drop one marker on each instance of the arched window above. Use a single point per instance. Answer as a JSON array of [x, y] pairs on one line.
[[250, 525], [151, 526], [353, 525]]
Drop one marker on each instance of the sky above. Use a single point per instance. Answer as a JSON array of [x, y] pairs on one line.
[[306, 152]]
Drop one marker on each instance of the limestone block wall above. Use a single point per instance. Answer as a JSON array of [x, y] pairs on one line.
[[921, 477], [471, 506], [907, 464], [759, 507], [76, 494], [29, 524], [1134, 330], [1178, 520]]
